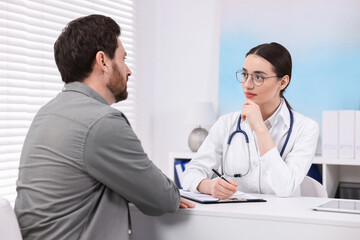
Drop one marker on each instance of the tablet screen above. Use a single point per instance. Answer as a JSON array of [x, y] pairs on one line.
[[341, 205]]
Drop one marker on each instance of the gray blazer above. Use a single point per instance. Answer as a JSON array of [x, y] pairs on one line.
[[80, 165]]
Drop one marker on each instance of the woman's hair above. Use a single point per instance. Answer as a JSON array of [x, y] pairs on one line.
[[279, 57], [81, 39]]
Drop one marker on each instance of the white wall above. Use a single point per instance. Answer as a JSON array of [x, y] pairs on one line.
[[179, 66]]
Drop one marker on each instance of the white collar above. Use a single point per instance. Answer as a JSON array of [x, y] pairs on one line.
[[282, 111]]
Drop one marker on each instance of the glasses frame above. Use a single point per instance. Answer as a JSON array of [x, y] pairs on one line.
[[252, 78]]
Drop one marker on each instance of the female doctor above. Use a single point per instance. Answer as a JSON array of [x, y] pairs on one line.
[[267, 147]]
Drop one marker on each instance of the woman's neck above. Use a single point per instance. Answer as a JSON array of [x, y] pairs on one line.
[[269, 108]]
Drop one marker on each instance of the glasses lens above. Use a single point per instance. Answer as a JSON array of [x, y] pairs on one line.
[[239, 76], [258, 79]]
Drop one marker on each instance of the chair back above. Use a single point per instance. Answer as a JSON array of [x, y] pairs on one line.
[[9, 226], [312, 188]]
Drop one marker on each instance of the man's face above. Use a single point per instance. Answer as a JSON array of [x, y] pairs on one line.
[[120, 74]]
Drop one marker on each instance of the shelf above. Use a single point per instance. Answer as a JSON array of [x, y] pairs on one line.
[[336, 161], [317, 159]]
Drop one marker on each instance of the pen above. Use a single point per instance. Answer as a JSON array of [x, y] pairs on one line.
[[220, 176]]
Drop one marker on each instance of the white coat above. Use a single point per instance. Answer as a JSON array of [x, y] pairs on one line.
[[268, 174]]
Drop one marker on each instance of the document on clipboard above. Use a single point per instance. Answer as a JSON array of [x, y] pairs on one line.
[[238, 197]]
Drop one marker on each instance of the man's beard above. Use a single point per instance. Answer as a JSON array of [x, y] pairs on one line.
[[117, 85]]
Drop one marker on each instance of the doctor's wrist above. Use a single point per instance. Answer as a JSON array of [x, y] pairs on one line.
[[261, 129], [206, 186]]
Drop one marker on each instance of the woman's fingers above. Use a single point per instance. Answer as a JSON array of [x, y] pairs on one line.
[[223, 189], [251, 112]]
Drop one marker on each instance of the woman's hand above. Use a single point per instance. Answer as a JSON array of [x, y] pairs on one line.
[[217, 188], [251, 112], [185, 203], [222, 189]]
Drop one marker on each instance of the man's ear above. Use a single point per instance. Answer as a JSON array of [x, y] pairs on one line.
[[284, 82], [102, 61]]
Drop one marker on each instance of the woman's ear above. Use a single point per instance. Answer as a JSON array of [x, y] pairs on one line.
[[284, 82]]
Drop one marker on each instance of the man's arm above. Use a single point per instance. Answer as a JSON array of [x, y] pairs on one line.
[[113, 155]]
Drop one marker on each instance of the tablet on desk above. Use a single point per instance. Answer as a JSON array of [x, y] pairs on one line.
[[341, 205]]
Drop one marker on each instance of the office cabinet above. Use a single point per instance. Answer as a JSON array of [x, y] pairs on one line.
[[333, 170]]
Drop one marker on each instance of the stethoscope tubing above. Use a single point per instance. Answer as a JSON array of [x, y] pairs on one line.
[[239, 130], [289, 132]]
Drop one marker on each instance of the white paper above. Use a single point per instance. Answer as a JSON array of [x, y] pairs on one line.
[[208, 198], [179, 173]]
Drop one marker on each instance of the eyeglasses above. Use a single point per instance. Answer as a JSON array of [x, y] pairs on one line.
[[256, 78]]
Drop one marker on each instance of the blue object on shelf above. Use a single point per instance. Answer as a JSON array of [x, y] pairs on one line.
[[179, 168], [314, 173]]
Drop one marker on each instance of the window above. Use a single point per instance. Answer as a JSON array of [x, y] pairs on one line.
[[28, 74]]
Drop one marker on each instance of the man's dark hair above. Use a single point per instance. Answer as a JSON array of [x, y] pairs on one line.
[[80, 40]]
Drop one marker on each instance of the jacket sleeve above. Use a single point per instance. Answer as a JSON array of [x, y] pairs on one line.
[[284, 177], [207, 157], [114, 156]]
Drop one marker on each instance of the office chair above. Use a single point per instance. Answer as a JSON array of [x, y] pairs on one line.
[[9, 226], [312, 188]]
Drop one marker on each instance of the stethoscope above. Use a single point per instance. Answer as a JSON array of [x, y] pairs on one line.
[[239, 130]]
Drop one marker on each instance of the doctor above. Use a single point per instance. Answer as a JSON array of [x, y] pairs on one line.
[[267, 147]]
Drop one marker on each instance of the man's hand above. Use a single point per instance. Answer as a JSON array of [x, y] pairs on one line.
[[186, 204]]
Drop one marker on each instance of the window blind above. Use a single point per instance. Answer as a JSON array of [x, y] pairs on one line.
[[28, 74]]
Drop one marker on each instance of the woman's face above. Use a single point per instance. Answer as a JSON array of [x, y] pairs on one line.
[[269, 92]]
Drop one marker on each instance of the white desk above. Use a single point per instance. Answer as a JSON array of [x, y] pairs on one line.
[[278, 218]]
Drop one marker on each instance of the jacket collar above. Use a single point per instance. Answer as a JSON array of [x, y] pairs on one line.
[[281, 112], [84, 89]]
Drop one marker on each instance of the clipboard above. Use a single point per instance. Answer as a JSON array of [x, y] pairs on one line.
[[238, 197]]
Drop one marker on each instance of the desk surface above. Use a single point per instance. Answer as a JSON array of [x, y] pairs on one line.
[[290, 209], [293, 217]]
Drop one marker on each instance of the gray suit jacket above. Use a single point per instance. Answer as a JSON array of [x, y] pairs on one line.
[[80, 165]]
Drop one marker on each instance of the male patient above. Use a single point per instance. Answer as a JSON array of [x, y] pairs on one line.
[[81, 162]]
